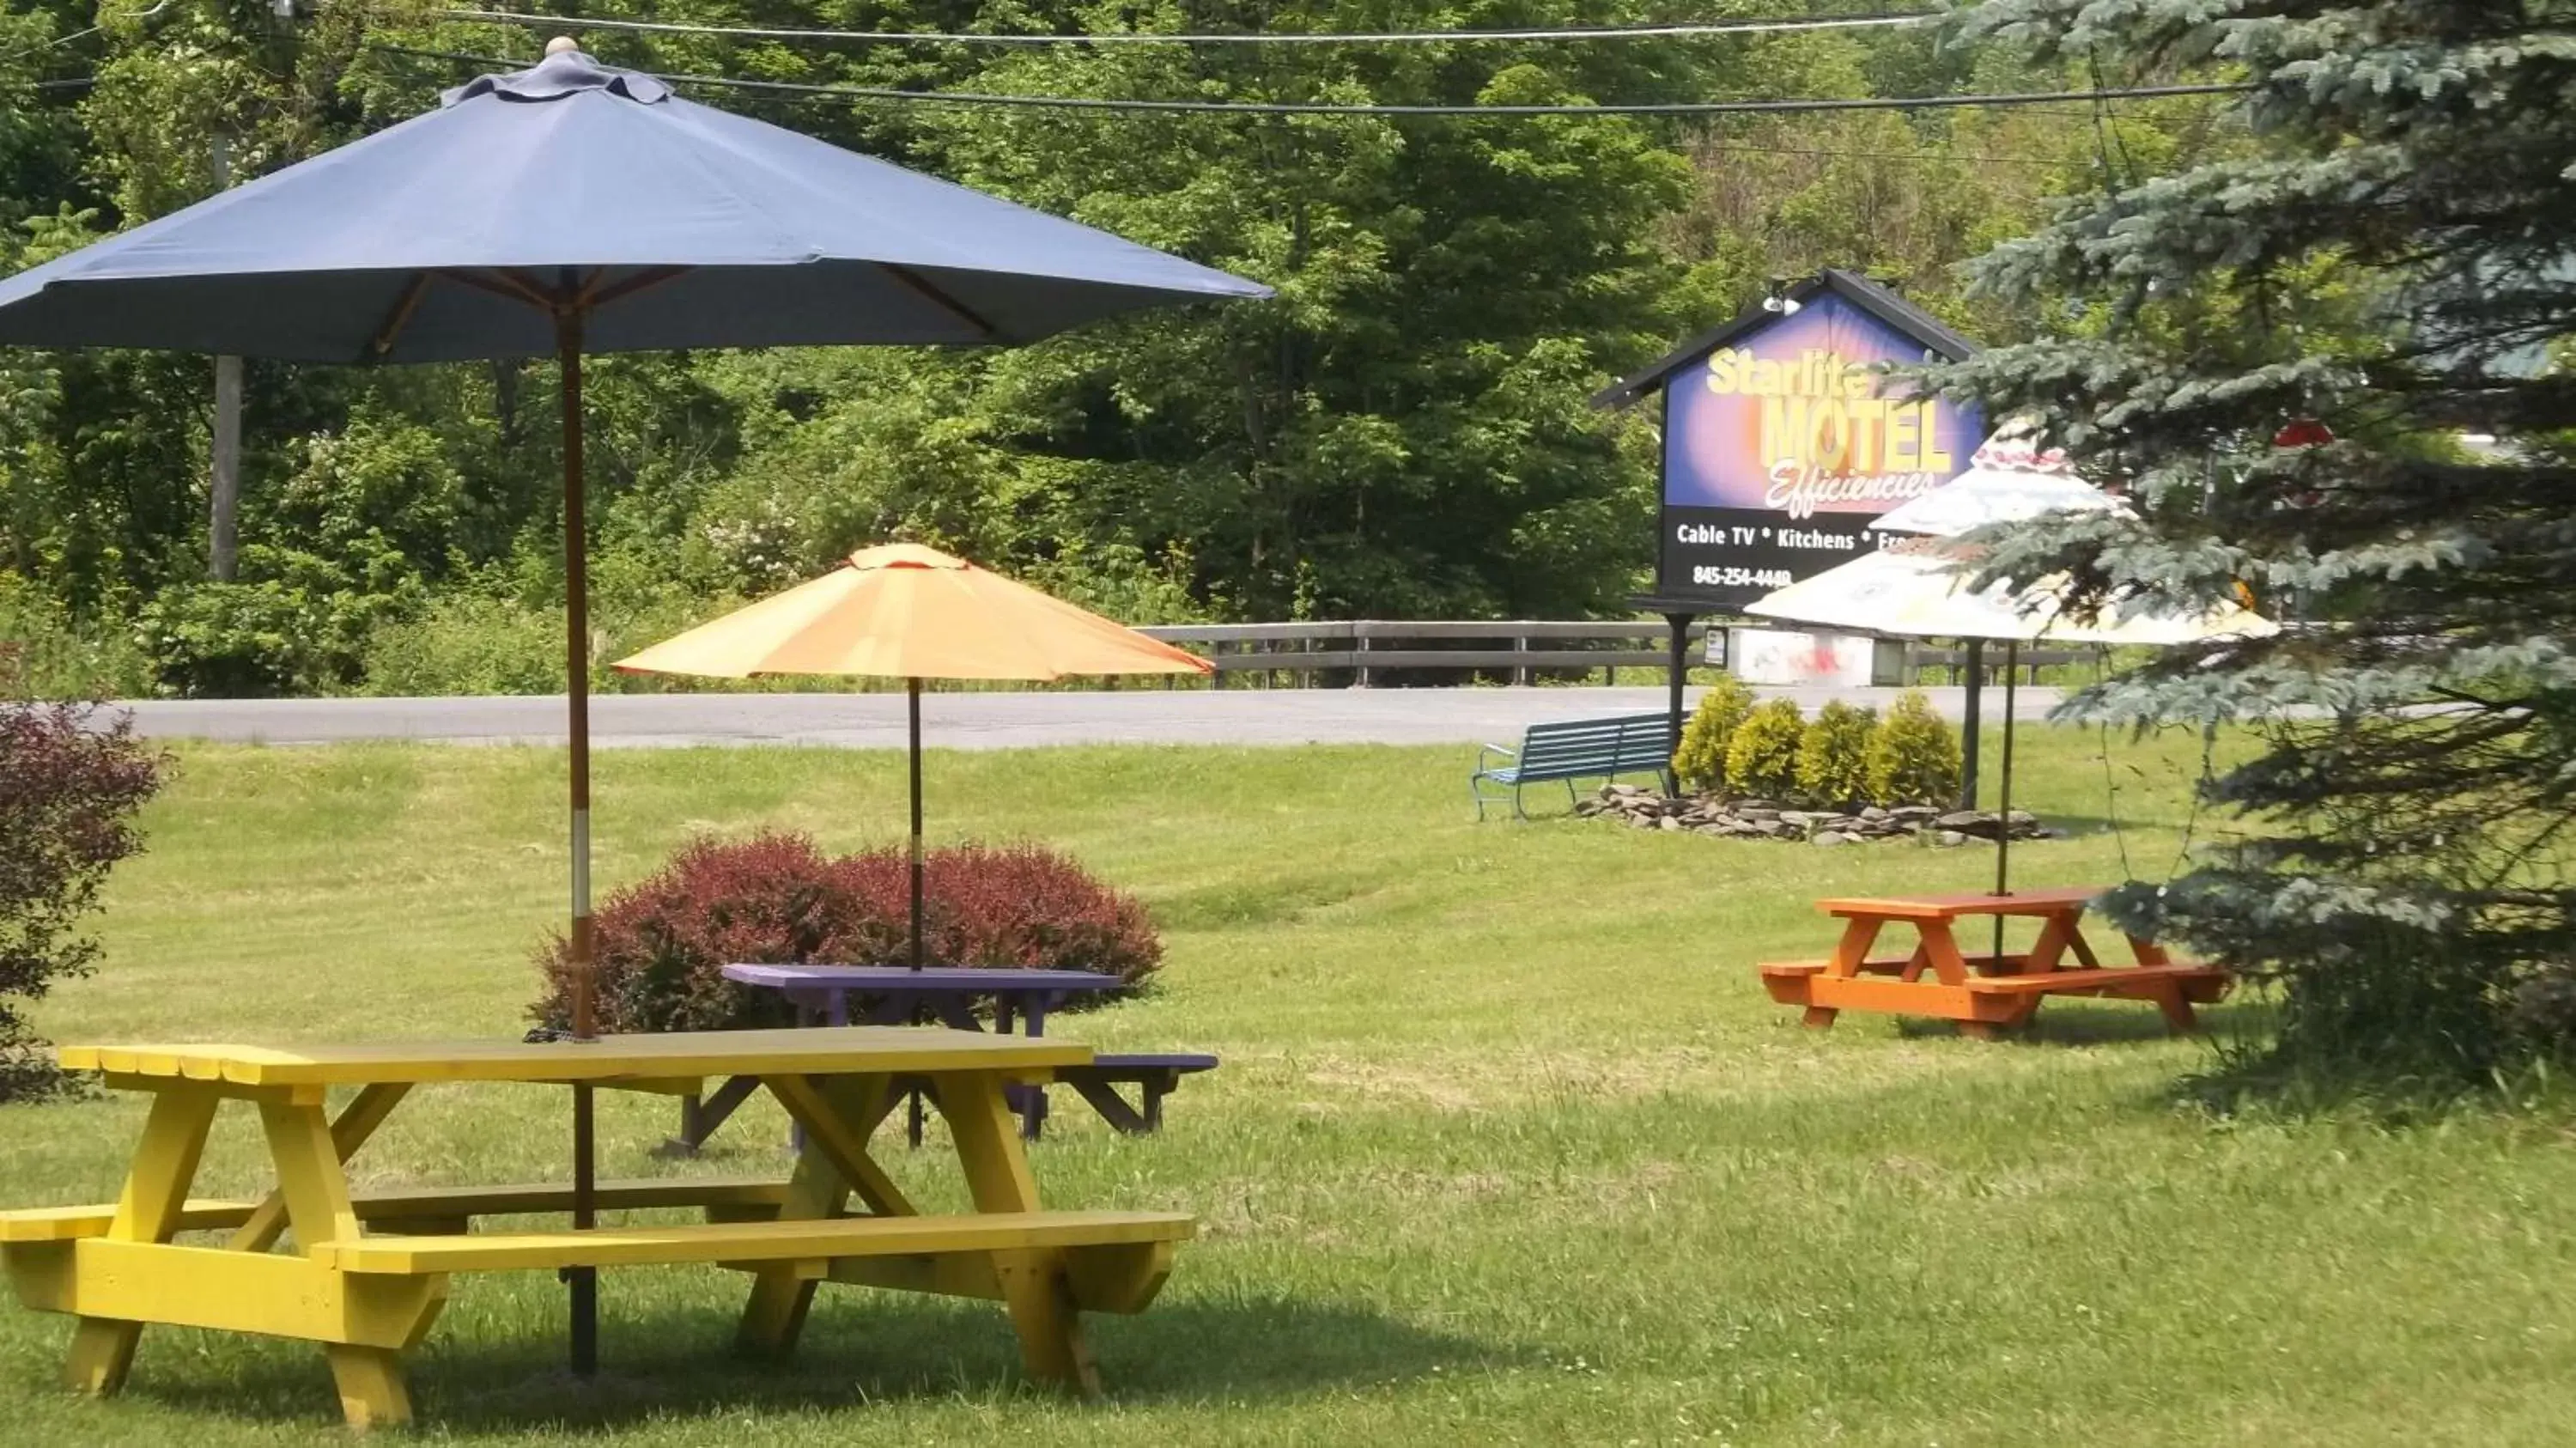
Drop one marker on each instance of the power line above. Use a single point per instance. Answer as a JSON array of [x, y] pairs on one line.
[[1319, 108], [1748, 26], [68, 38], [1731, 149]]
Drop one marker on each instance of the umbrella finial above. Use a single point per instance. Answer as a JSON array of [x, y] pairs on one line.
[[563, 44]]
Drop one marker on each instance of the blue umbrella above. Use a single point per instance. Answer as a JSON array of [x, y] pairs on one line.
[[572, 208]]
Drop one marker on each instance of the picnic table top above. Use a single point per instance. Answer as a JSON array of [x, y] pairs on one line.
[[831, 1050], [2050, 901], [943, 980]]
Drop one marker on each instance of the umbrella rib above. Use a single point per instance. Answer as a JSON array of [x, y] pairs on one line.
[[922, 287], [501, 284], [647, 278], [400, 316]]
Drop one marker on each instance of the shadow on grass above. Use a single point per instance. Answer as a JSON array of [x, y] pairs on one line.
[[678, 1363], [2065, 1024]]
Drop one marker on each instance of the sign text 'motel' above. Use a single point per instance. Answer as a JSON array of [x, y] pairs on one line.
[[1783, 441]]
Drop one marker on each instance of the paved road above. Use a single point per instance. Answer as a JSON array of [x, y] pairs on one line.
[[961, 721]]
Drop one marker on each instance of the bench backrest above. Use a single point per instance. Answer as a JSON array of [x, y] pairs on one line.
[[1629, 741]]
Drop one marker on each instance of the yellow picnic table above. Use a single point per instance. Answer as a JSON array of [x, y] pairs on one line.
[[368, 1270]]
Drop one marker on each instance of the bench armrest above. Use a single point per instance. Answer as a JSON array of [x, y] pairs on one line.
[[1485, 752]]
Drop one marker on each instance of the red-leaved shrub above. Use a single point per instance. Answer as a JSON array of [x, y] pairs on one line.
[[664, 941], [70, 785]]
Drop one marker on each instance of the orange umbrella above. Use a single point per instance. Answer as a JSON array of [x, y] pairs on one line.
[[902, 611]]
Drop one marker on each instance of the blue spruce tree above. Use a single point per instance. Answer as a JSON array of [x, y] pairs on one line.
[[2325, 369]]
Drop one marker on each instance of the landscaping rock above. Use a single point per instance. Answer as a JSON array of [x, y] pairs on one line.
[[1647, 809]]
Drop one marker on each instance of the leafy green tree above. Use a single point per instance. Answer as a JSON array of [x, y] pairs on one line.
[[2392, 265], [1404, 431]]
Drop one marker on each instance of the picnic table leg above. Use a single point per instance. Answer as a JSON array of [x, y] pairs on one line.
[[700, 1116], [1950, 967], [1156, 1088], [165, 1162], [838, 1114], [373, 1393], [349, 1131], [2057, 934], [2082, 947], [1941, 947], [2176, 1007], [1033, 1097], [1859, 934], [1033, 1282]]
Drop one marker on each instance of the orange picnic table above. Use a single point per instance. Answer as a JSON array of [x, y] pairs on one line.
[[1983, 992]]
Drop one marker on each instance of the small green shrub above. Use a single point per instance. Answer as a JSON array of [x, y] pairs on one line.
[[1833, 758], [1762, 757], [1913, 755], [236, 641], [468, 643], [295, 624], [46, 653], [1700, 762]]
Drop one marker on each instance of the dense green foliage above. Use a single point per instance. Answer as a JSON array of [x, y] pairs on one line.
[[2394, 266], [1833, 755], [1404, 432], [1700, 761], [1913, 755]]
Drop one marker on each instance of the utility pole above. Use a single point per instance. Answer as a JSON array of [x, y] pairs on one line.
[[222, 528]]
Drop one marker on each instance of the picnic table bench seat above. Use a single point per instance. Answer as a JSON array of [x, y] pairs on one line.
[[1985, 1001], [433, 1209], [1572, 749], [1155, 1075], [1113, 1261]]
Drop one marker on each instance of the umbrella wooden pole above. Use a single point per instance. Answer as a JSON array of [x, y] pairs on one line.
[[913, 709], [1971, 722], [581, 1283], [2003, 804]]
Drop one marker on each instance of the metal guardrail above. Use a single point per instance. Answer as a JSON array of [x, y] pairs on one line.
[[1366, 649], [1919, 657]]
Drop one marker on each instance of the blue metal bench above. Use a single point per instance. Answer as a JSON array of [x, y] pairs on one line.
[[1572, 749]]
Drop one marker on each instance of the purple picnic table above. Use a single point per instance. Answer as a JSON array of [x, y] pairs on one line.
[[902, 996]]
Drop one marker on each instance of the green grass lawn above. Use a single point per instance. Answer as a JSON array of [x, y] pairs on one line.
[[1509, 1146]]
